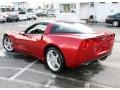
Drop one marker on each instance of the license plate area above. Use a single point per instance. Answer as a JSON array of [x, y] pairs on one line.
[[102, 48]]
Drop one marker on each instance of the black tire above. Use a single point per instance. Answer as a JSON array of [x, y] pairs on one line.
[[103, 58], [61, 60], [3, 21], [4, 44], [116, 23], [8, 20], [16, 20]]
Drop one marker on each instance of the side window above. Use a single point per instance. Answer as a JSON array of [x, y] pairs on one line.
[[37, 29], [55, 29], [61, 29], [118, 15]]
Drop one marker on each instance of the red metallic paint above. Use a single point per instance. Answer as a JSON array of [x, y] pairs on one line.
[[68, 44]]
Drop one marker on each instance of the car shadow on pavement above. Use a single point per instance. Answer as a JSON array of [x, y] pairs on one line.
[[78, 77], [73, 78], [69, 78], [20, 56], [84, 72]]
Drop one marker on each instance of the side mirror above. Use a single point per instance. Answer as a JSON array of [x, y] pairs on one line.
[[22, 33]]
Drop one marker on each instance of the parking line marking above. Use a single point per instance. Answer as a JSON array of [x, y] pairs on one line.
[[11, 68], [49, 81], [72, 79], [21, 81], [2, 54], [87, 85], [21, 71]]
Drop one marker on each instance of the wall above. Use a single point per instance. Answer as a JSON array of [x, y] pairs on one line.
[[74, 17], [100, 11]]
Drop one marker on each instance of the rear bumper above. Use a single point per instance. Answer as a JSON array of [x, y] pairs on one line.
[[2, 20], [91, 54], [12, 19], [33, 17], [22, 18], [97, 57]]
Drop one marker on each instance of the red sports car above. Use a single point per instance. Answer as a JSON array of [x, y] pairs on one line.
[[60, 44]]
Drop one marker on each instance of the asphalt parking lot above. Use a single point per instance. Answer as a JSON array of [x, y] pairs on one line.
[[19, 70]]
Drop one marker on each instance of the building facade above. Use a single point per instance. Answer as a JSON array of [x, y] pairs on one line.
[[21, 6], [77, 11], [6, 8]]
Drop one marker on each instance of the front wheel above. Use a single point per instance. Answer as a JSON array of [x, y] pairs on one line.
[[7, 44], [54, 60], [115, 23], [16, 20]]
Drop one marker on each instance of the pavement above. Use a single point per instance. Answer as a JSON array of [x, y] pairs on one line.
[[18, 70]]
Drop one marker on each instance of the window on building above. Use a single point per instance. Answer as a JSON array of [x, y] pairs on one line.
[[20, 9], [67, 8], [72, 7], [9, 9], [115, 2], [102, 2], [92, 4], [3, 9]]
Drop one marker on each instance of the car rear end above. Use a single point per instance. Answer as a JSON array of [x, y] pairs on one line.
[[95, 48], [2, 18], [12, 17], [31, 16]]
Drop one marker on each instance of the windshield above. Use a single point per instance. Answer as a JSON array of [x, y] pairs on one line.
[[71, 28]]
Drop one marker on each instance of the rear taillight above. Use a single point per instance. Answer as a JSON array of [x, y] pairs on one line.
[[91, 42], [112, 36], [84, 44], [87, 43]]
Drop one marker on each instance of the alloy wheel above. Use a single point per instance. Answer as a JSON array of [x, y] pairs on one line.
[[8, 45]]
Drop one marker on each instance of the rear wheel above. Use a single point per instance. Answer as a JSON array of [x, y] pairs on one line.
[[28, 19], [7, 44], [8, 20], [16, 20], [54, 60], [115, 23]]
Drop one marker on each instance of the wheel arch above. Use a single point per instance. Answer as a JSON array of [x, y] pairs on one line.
[[5, 34], [54, 46]]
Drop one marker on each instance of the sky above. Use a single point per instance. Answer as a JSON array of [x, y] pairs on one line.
[[55, 0], [49, 1]]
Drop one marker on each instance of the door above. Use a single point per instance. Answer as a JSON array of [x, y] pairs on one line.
[[84, 13], [31, 40]]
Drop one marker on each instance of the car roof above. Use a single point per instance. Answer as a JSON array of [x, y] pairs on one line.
[[66, 24], [56, 22]]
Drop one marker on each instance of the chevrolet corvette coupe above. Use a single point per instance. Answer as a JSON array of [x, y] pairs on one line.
[[61, 45]]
